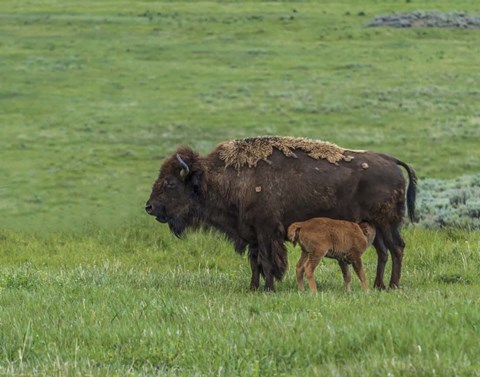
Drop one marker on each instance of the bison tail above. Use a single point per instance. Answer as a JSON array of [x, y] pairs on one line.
[[411, 190], [280, 259]]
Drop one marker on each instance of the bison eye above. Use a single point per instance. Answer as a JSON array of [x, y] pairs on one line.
[[170, 184]]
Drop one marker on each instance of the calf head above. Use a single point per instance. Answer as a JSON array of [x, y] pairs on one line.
[[369, 232]]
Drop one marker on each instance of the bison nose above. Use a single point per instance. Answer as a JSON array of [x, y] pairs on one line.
[[148, 208]]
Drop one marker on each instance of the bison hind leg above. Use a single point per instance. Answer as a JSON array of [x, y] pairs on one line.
[[396, 249], [382, 257], [390, 238]]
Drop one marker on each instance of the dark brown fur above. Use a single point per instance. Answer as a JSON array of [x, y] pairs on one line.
[[253, 206], [341, 240]]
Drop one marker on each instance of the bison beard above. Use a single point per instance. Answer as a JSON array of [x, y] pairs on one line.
[[177, 227], [253, 189]]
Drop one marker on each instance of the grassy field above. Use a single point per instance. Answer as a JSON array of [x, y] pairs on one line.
[[136, 301], [94, 94]]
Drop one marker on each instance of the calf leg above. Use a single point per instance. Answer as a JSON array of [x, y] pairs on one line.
[[382, 255], [358, 267], [300, 269], [312, 263], [347, 277]]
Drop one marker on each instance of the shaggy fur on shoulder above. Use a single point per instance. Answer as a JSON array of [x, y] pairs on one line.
[[238, 153], [344, 241]]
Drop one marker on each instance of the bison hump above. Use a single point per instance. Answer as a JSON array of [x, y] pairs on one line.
[[248, 152]]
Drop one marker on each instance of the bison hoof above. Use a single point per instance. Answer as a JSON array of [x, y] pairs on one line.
[[393, 285], [379, 285]]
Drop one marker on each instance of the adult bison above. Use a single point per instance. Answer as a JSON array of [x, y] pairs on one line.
[[253, 189]]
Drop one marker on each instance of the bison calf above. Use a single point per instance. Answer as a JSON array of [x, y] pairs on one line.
[[342, 240]]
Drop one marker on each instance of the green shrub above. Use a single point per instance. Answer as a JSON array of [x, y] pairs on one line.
[[449, 203]]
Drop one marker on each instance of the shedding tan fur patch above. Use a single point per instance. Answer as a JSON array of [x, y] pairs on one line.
[[238, 153]]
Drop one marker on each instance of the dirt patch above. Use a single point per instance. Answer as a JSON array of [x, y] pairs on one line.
[[427, 19]]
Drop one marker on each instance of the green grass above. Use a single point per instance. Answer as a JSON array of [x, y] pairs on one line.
[[94, 94], [132, 301]]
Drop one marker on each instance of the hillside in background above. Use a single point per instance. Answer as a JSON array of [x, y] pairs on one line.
[[95, 94]]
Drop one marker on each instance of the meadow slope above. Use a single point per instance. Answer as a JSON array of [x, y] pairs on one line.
[[95, 94]]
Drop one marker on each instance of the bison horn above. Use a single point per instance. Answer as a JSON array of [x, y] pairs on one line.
[[185, 168]]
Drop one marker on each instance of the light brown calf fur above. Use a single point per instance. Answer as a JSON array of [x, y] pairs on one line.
[[344, 241]]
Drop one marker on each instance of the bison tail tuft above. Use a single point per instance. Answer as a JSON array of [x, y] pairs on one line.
[[411, 190]]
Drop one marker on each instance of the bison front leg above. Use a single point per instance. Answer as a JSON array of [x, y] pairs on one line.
[[272, 253], [256, 268], [265, 262]]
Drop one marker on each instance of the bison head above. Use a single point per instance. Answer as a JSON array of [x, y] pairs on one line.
[[177, 193]]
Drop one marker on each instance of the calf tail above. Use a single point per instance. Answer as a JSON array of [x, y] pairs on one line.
[[411, 190], [293, 233]]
